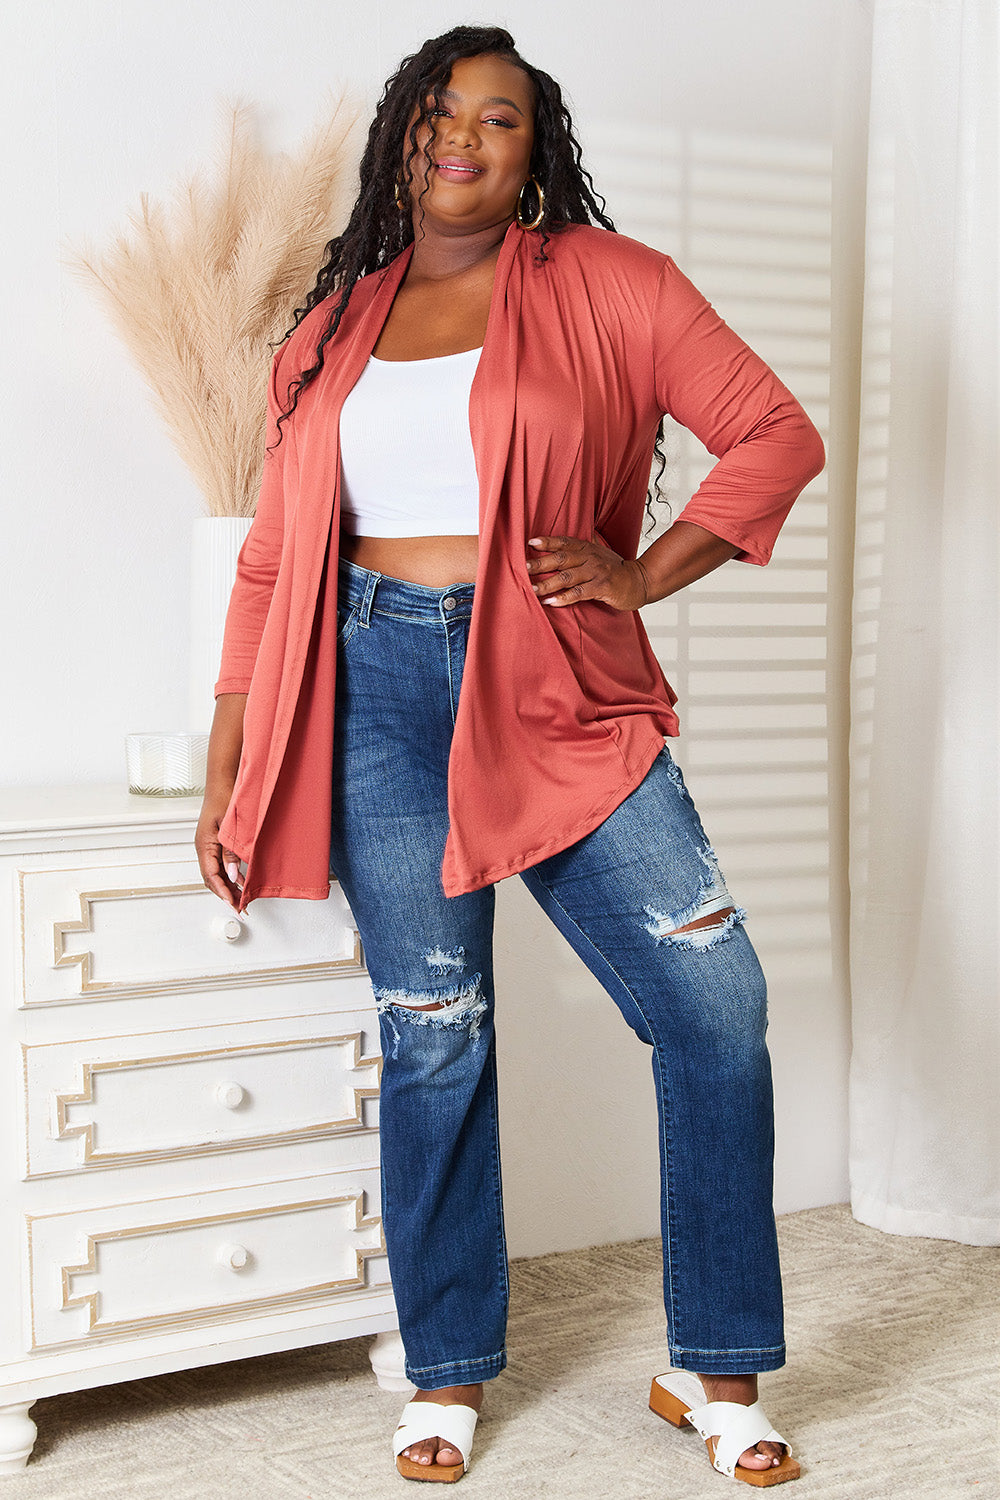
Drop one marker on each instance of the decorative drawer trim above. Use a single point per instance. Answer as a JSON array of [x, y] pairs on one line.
[[91, 1300], [231, 1257], [85, 923], [62, 1129], [67, 929], [91, 986]]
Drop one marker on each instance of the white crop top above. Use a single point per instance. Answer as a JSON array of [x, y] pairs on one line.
[[406, 462]]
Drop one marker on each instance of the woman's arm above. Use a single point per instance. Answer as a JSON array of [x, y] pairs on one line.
[[579, 569], [256, 571], [715, 385], [709, 380], [220, 867]]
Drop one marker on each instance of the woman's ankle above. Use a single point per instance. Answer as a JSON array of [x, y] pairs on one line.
[[452, 1395], [739, 1388]]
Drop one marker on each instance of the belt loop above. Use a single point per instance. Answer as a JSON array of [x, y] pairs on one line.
[[365, 612]]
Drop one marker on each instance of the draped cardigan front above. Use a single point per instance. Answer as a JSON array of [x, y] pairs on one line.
[[562, 711]]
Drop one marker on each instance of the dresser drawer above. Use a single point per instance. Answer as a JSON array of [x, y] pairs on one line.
[[115, 1101], [102, 930], [162, 1264]]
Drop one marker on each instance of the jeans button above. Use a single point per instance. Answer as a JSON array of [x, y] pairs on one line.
[[449, 602]]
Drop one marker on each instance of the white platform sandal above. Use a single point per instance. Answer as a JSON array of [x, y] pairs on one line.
[[727, 1427], [454, 1423]]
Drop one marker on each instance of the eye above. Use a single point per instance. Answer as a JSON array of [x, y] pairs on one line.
[[499, 120]]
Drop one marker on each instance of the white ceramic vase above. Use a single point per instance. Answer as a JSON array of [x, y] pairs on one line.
[[216, 542]]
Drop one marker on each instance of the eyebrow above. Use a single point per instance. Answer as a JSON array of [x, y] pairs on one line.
[[495, 99]]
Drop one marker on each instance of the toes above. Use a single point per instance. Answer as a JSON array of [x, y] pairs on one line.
[[751, 1459], [429, 1452], [421, 1453], [761, 1457]]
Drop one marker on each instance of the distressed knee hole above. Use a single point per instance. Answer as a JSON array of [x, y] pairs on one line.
[[710, 918], [462, 1005], [703, 933]]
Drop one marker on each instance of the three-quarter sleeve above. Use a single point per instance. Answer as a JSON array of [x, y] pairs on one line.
[[260, 554], [710, 381]]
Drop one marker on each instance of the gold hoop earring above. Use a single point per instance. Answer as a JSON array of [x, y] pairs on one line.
[[400, 202], [541, 205]]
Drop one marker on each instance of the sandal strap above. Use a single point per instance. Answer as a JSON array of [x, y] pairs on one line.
[[735, 1428], [454, 1423]]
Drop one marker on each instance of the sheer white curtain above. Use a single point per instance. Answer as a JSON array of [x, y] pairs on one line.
[[925, 1101]]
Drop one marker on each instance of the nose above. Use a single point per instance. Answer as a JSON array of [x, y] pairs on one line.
[[462, 131]]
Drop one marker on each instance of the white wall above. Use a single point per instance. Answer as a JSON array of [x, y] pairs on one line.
[[710, 133]]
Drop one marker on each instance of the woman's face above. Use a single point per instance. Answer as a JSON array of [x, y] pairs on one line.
[[481, 150]]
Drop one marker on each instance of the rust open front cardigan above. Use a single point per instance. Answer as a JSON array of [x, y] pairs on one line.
[[562, 711]]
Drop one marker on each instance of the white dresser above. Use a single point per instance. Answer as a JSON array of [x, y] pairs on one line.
[[188, 1111]]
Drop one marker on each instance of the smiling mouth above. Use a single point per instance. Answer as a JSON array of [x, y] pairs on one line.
[[449, 166]]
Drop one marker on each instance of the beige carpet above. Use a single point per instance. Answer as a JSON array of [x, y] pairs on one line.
[[890, 1391]]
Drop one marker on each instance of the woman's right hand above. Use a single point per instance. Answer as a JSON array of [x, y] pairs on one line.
[[220, 867]]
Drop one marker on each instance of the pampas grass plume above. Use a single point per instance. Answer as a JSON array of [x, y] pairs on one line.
[[202, 290]]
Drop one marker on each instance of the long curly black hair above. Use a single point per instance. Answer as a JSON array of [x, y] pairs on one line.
[[377, 231]]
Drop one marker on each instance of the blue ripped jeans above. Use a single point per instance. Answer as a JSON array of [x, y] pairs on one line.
[[698, 1000]]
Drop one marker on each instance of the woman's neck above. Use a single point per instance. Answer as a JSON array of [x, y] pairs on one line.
[[444, 257]]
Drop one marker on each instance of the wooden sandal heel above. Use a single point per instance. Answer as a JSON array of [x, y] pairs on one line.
[[727, 1428]]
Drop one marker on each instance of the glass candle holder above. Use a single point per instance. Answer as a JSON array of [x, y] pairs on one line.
[[166, 765]]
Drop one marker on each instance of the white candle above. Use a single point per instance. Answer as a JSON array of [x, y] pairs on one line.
[[166, 765]]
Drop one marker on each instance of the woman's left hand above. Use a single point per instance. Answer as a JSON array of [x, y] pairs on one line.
[[578, 569]]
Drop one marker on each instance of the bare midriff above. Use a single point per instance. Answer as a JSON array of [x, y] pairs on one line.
[[434, 561], [430, 315]]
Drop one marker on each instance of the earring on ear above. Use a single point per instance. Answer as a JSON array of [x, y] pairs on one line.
[[541, 205], [400, 201]]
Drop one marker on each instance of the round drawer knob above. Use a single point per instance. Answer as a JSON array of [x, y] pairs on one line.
[[233, 1256], [229, 1095], [230, 929]]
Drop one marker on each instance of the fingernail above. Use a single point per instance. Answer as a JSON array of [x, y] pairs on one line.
[[534, 541], [232, 869]]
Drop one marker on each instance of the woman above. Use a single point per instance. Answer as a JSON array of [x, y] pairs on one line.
[[434, 675]]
